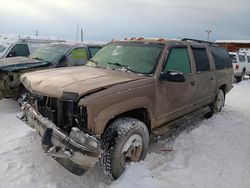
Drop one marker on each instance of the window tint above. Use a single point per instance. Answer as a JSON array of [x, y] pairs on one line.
[[77, 56], [178, 60], [221, 58], [242, 58], [19, 50], [201, 59]]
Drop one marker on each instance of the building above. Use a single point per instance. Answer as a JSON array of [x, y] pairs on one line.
[[234, 45]]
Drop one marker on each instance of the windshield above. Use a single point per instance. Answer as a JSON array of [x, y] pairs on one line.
[[132, 56], [50, 53]]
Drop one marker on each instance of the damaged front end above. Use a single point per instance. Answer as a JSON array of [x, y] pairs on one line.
[[63, 128]]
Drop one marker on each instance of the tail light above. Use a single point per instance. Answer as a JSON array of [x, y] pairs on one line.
[[237, 67]]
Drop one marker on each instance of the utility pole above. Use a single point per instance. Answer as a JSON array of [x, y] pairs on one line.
[[81, 35], [208, 31], [36, 32]]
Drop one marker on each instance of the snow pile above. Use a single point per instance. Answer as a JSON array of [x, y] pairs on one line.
[[214, 154]]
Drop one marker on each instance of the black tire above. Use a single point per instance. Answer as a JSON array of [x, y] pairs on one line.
[[241, 77], [218, 104], [116, 138], [238, 79]]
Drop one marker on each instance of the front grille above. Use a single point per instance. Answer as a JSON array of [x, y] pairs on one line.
[[64, 114]]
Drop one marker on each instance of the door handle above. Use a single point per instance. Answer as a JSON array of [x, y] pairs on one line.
[[192, 83]]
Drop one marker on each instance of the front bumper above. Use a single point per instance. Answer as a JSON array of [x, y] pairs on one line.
[[77, 147]]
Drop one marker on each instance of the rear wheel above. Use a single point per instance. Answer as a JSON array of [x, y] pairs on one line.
[[241, 77], [126, 140], [218, 103]]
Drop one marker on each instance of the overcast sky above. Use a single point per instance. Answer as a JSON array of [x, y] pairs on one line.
[[107, 19]]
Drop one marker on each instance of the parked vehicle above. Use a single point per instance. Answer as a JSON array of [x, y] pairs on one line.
[[22, 47], [129, 91], [241, 64], [51, 56]]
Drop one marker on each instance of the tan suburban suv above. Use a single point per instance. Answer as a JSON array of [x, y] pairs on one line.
[[129, 92]]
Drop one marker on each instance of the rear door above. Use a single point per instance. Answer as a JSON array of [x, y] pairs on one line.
[[174, 99], [204, 78]]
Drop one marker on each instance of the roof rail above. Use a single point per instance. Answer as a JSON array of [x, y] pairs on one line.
[[199, 41], [39, 40]]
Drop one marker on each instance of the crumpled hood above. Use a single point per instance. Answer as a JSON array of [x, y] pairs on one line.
[[19, 63], [80, 80]]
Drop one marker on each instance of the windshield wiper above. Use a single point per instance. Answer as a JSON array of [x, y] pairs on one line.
[[121, 65], [37, 58], [41, 59]]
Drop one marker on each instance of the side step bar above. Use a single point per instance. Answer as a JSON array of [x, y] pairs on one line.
[[167, 129]]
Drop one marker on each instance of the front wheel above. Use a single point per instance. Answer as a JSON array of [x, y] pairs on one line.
[[218, 103], [125, 140]]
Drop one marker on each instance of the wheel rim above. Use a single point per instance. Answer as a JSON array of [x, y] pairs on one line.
[[132, 149], [219, 103]]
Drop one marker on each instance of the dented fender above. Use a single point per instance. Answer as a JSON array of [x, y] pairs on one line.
[[114, 110]]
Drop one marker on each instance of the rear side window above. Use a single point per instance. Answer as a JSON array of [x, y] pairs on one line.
[[201, 59], [242, 58], [178, 60], [221, 58]]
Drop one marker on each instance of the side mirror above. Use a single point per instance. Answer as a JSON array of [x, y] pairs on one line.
[[173, 76]]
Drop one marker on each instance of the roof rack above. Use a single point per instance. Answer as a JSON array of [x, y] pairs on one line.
[[39, 40], [199, 41]]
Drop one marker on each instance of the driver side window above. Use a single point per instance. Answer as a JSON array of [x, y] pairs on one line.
[[178, 60], [19, 50]]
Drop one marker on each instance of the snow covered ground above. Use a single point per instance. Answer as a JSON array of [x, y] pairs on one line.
[[215, 154]]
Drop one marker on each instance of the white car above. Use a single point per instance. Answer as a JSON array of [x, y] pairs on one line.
[[22, 46], [241, 64]]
